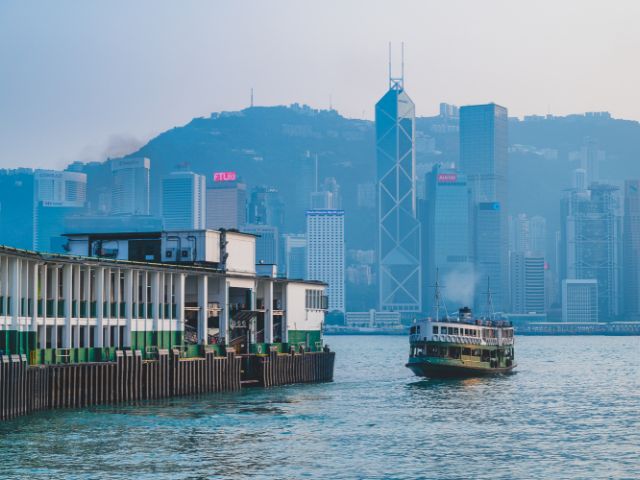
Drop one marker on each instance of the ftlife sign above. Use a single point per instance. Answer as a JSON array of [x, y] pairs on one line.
[[224, 176]]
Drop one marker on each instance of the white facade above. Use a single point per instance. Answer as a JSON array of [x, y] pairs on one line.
[[580, 300], [183, 201], [325, 253], [130, 192], [373, 319]]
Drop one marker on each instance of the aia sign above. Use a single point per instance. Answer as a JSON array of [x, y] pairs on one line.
[[447, 178], [224, 176]]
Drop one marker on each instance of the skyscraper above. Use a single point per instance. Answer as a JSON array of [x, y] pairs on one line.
[[183, 201], [527, 283], [130, 193], [447, 234], [631, 247], [325, 253], [484, 159], [226, 205], [580, 300], [267, 243], [266, 207], [295, 255], [58, 195], [399, 244], [590, 236]]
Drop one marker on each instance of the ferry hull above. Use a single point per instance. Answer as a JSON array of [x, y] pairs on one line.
[[439, 370]]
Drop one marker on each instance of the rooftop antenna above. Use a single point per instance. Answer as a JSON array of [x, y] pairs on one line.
[[251, 97], [397, 83]]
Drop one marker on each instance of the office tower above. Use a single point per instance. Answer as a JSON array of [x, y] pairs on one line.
[[325, 253], [520, 233], [267, 243], [590, 157], [295, 255], [538, 236], [322, 201], [590, 237], [631, 246], [447, 234], [366, 195], [527, 283], [266, 207], [399, 243], [226, 205], [183, 201], [130, 193], [58, 195], [484, 159], [580, 300], [16, 208]]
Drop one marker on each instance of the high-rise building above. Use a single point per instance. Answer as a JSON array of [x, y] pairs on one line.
[[295, 255], [520, 227], [183, 201], [267, 243], [447, 234], [631, 248], [226, 205], [325, 253], [399, 243], [266, 207], [538, 236], [590, 242], [17, 208], [527, 283], [58, 195], [484, 159], [130, 192], [580, 300]]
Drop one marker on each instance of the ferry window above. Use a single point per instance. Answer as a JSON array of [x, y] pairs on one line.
[[454, 352], [466, 351], [455, 331], [476, 352], [485, 355], [435, 330], [443, 330]]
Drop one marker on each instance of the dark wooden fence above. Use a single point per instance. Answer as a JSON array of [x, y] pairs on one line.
[[25, 389]]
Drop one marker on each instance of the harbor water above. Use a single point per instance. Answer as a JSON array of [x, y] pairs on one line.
[[572, 411]]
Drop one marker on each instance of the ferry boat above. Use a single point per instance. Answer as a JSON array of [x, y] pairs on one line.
[[462, 346]]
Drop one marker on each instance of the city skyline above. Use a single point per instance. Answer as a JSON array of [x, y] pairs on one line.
[[150, 99]]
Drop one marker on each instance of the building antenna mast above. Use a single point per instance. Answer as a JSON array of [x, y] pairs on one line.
[[251, 97]]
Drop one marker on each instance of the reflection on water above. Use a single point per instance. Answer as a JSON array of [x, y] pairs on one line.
[[571, 411]]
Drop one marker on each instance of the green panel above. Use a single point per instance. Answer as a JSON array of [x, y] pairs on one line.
[[94, 310], [259, 348], [61, 308], [192, 351], [311, 338]]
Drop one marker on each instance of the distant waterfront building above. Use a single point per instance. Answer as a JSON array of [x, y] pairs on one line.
[[267, 243], [295, 255], [399, 242], [58, 195], [226, 205], [580, 300], [631, 248], [326, 254], [17, 208], [538, 236], [590, 242], [447, 233], [373, 319], [130, 193], [484, 159], [183, 201], [527, 283]]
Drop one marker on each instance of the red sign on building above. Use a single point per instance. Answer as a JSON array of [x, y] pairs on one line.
[[447, 177], [224, 176]]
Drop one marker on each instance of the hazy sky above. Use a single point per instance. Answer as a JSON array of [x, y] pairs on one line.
[[82, 79]]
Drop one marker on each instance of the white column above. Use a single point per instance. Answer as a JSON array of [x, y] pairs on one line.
[[203, 303], [224, 312], [55, 293], [76, 300], [34, 297], [4, 283], [285, 314], [99, 289], [268, 314], [155, 302], [14, 292], [87, 302], [43, 339], [128, 305], [116, 298], [67, 291], [180, 293]]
